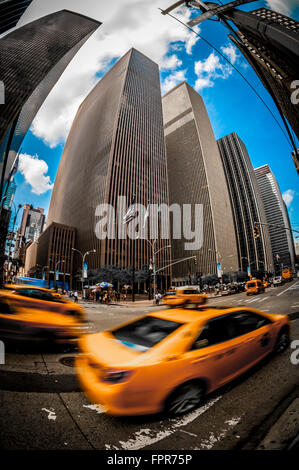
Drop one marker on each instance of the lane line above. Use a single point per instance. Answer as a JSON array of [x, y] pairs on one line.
[[262, 300], [291, 287], [146, 437]]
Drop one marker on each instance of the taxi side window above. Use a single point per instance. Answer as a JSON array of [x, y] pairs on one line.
[[248, 321], [35, 294], [217, 330], [5, 308]]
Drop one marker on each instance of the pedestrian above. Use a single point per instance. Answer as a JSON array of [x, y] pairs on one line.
[[76, 296]]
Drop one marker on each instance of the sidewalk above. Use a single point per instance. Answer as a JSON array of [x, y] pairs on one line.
[[284, 434]]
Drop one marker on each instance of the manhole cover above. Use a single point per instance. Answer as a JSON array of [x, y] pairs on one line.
[[68, 361]]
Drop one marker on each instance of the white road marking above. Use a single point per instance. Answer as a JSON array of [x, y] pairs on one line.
[[98, 408], [213, 439], [250, 301], [51, 414], [262, 300], [294, 286], [146, 437]]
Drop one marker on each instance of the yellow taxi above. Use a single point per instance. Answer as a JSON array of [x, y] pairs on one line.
[[254, 286], [266, 284], [44, 299], [169, 360], [28, 319], [183, 296]]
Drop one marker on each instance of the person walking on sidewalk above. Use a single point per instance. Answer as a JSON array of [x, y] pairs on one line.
[[76, 296]]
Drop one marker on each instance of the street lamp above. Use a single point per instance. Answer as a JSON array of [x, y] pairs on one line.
[[83, 260], [154, 253]]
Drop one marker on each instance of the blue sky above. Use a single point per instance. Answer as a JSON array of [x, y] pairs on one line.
[[231, 104]]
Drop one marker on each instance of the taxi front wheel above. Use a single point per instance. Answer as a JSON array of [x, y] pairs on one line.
[[185, 398]]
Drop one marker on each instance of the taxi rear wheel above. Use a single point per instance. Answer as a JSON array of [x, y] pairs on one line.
[[283, 341], [185, 398]]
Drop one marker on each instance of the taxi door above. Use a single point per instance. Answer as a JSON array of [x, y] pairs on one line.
[[215, 353]]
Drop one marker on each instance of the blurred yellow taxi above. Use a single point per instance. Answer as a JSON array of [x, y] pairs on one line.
[[255, 286], [183, 296], [169, 360], [44, 299], [23, 320]]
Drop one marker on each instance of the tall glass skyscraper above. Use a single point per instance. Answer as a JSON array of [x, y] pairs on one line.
[[32, 58], [277, 215], [196, 176], [10, 13], [246, 204], [115, 148]]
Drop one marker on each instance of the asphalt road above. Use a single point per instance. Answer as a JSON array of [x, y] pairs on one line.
[[41, 406]]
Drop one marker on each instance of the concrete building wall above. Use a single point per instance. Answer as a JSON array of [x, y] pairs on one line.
[[282, 241], [247, 205], [196, 176], [115, 148]]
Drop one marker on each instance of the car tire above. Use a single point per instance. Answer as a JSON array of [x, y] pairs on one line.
[[185, 398], [282, 342]]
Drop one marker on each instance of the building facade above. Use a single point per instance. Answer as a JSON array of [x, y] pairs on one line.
[[246, 204], [10, 13], [32, 58], [32, 224], [115, 148], [196, 176], [277, 216], [52, 252]]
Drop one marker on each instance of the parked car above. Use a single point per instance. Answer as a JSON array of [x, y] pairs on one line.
[[277, 281], [169, 360]]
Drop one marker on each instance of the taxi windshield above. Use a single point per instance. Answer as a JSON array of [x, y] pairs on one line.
[[145, 332]]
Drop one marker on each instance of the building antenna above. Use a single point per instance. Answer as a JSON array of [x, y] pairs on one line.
[[237, 70]]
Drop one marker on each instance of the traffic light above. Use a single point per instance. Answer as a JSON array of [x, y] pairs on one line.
[[256, 231], [195, 260]]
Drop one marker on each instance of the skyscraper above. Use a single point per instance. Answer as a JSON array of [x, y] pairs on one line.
[[32, 58], [115, 148], [246, 204], [32, 224], [196, 176], [10, 193], [10, 13], [277, 215]]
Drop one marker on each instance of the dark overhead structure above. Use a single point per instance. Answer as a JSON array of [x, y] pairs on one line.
[[270, 43], [32, 58], [10, 13]]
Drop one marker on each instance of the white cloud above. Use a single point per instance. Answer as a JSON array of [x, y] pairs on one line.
[[34, 172], [213, 67], [288, 196], [230, 52], [173, 79], [126, 24], [282, 6]]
